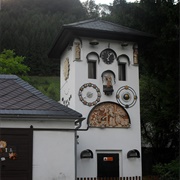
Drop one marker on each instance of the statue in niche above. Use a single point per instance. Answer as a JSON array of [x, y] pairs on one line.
[[135, 54], [108, 79], [77, 51], [108, 88]]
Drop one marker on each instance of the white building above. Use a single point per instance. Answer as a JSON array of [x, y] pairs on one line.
[[37, 134], [100, 79]]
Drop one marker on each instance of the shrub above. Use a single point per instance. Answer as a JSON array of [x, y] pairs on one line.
[[168, 171]]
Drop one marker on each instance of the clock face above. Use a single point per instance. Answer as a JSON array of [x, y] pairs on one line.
[[108, 114], [126, 96], [89, 94], [108, 56]]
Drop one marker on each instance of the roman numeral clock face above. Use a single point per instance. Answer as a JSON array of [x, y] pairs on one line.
[[108, 56]]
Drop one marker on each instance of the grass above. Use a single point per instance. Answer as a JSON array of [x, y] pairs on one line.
[[48, 85]]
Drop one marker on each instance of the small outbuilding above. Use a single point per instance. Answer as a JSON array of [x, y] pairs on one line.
[[37, 134]]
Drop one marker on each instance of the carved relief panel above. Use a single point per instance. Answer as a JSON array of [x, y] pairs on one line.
[[108, 114]]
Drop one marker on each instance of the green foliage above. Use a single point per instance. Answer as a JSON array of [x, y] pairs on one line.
[[47, 85], [159, 116], [168, 171], [93, 10], [10, 63], [159, 69], [31, 26]]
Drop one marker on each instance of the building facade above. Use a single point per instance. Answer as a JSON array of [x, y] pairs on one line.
[[100, 79]]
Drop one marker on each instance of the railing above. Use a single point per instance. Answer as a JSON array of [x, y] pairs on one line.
[[110, 178]]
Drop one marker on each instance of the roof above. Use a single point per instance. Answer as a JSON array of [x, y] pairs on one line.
[[18, 98], [95, 28]]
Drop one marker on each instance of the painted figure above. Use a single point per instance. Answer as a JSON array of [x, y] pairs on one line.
[[77, 51]]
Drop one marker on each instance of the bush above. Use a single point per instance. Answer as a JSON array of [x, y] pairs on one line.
[[168, 171], [10, 63], [47, 85]]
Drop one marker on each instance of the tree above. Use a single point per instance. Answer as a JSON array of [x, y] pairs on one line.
[[30, 27], [93, 10], [12, 64], [159, 69]]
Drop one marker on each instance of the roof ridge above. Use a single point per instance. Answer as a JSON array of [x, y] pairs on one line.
[[125, 27], [81, 22], [8, 76], [73, 25]]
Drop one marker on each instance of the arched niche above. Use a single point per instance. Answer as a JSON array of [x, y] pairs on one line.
[[122, 58]]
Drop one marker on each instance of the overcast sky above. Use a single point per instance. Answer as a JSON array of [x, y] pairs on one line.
[[107, 1]]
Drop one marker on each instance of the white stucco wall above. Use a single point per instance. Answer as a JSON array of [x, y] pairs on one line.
[[53, 155], [119, 140], [53, 150]]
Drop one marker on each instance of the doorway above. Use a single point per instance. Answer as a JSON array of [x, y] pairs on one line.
[[108, 164]]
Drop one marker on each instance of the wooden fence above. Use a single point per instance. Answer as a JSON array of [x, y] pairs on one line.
[[110, 178], [150, 178], [120, 178]]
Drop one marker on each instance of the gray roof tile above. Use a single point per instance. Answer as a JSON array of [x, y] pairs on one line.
[[20, 98], [102, 25]]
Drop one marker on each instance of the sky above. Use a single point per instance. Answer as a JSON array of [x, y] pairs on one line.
[[107, 1]]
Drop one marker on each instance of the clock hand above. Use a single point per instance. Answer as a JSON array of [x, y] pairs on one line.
[[108, 56], [111, 56], [89, 94]]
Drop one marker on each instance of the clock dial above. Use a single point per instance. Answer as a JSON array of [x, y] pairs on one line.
[[126, 96], [108, 56], [109, 114], [89, 94]]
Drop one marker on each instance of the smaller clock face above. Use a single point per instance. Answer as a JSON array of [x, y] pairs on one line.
[[108, 56], [89, 94]]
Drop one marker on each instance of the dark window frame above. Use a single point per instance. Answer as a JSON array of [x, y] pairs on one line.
[[122, 71], [92, 69]]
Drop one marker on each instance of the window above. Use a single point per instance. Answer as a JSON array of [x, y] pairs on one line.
[[123, 60], [92, 58], [122, 71], [92, 69]]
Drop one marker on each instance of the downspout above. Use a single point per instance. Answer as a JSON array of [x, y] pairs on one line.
[[78, 128]]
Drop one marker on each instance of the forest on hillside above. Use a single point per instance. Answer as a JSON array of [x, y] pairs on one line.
[[29, 27]]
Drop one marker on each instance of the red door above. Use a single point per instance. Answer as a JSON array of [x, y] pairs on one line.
[[15, 154]]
